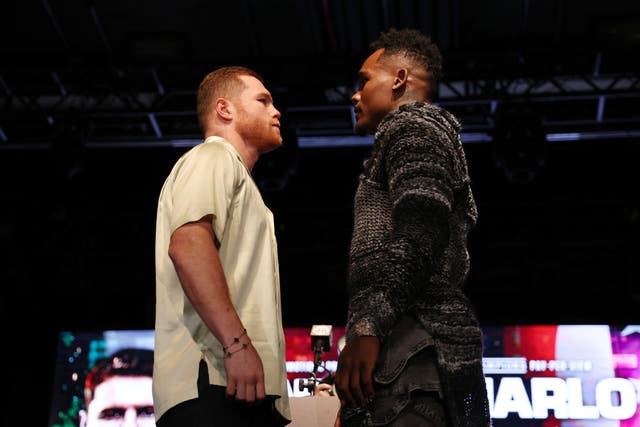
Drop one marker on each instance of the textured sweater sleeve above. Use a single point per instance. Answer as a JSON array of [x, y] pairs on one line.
[[419, 164]]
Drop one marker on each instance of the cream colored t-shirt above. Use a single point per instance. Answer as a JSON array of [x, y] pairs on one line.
[[212, 178]]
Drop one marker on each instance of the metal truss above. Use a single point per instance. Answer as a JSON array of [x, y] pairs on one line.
[[133, 106], [584, 98]]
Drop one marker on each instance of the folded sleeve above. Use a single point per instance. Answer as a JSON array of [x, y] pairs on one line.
[[205, 185]]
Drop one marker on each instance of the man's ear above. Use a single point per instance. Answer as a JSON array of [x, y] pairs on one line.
[[400, 79], [224, 109]]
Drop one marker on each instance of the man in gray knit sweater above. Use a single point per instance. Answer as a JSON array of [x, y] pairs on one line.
[[414, 346]]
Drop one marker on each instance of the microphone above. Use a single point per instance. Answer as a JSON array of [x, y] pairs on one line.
[[321, 337], [321, 340]]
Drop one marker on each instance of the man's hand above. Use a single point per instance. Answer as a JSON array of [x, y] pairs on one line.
[[354, 376], [325, 390], [245, 375]]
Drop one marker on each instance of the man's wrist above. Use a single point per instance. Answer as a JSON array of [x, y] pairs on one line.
[[364, 328], [241, 342]]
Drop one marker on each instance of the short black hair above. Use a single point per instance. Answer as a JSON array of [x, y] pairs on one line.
[[416, 46]]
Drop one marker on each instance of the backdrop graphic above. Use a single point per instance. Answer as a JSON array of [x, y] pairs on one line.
[[537, 375]]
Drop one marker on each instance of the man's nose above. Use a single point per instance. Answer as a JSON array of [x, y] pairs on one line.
[[130, 418], [277, 113], [355, 97]]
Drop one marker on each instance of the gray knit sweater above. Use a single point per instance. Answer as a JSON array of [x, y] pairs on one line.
[[413, 210]]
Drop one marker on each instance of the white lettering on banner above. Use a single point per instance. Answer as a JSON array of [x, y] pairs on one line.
[[624, 390], [298, 366], [504, 365], [519, 365], [615, 398], [560, 365], [511, 397], [549, 393], [294, 388], [577, 410]]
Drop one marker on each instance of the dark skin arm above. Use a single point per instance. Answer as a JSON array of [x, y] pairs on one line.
[[354, 375]]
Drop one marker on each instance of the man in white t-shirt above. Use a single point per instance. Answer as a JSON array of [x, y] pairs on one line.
[[219, 340]]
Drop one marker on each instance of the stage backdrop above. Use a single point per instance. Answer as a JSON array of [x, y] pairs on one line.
[[537, 375]]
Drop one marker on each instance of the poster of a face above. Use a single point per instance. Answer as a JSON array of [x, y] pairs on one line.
[[536, 375], [103, 379]]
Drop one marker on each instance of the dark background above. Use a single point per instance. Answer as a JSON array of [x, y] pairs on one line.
[[97, 102]]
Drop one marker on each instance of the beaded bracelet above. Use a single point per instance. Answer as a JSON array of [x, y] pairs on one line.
[[236, 340], [228, 354]]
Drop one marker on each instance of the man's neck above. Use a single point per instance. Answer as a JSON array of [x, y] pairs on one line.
[[247, 151], [409, 98]]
